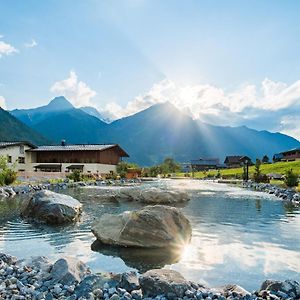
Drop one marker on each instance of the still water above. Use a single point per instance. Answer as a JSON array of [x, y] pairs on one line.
[[239, 236]]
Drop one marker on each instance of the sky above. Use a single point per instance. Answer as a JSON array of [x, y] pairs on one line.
[[227, 63]]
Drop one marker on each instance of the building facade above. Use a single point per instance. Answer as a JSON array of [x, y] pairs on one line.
[[16, 154], [237, 161], [291, 155], [203, 164], [89, 159]]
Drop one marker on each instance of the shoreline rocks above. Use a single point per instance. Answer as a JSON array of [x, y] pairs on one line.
[[52, 208], [155, 226], [285, 194], [38, 279], [11, 191]]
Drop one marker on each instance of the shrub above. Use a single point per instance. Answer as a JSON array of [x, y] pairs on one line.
[[257, 172], [75, 175], [1, 179], [7, 175], [291, 179], [10, 176]]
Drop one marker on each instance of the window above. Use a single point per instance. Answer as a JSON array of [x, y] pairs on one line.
[[21, 160], [22, 149], [9, 159]]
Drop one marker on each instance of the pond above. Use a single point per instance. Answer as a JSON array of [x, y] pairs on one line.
[[239, 236]]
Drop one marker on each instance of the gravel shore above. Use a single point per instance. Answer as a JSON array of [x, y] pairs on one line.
[[68, 278]]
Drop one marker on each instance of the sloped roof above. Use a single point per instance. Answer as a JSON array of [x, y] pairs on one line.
[[206, 162], [232, 159], [11, 144], [292, 150], [80, 147]]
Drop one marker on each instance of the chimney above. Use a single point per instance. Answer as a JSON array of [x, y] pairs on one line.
[[63, 142]]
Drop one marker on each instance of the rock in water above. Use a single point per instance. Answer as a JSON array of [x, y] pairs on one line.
[[160, 281], [152, 195], [52, 208], [151, 227]]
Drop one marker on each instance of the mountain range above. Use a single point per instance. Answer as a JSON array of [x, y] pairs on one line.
[[152, 134], [14, 130]]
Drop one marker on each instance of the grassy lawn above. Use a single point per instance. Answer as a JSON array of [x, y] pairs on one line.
[[280, 168]]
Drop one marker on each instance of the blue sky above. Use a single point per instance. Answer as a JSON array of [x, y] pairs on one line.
[[225, 62]]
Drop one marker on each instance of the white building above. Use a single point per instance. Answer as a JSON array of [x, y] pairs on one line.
[[17, 155], [93, 159]]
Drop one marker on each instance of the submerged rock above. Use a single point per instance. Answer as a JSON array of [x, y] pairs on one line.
[[53, 208], [151, 227], [160, 281], [149, 195]]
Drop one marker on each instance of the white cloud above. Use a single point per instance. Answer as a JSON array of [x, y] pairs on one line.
[[6, 49], [31, 44], [266, 107], [78, 92], [2, 102]]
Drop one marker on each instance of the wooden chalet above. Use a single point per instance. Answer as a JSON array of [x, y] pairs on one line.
[[291, 155], [237, 161]]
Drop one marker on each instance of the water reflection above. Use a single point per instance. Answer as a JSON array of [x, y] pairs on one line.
[[239, 236], [139, 258]]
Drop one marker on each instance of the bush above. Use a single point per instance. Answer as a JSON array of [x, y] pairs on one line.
[[291, 179], [1, 179], [75, 175], [263, 178], [7, 176], [257, 173]]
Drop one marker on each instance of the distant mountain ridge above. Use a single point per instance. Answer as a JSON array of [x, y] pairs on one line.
[[13, 130], [94, 112], [61, 120], [154, 133]]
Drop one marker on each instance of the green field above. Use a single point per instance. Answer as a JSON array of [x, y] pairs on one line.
[[280, 168]]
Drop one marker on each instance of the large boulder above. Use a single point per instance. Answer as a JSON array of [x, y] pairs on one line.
[[53, 208], [151, 227], [151, 195], [163, 282]]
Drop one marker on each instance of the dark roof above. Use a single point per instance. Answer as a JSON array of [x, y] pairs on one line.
[[292, 150], [206, 162], [81, 147], [10, 144], [73, 167], [232, 159], [48, 166]]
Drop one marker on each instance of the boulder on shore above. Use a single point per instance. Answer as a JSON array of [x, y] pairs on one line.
[[284, 289], [68, 270], [151, 227], [52, 208], [161, 281]]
